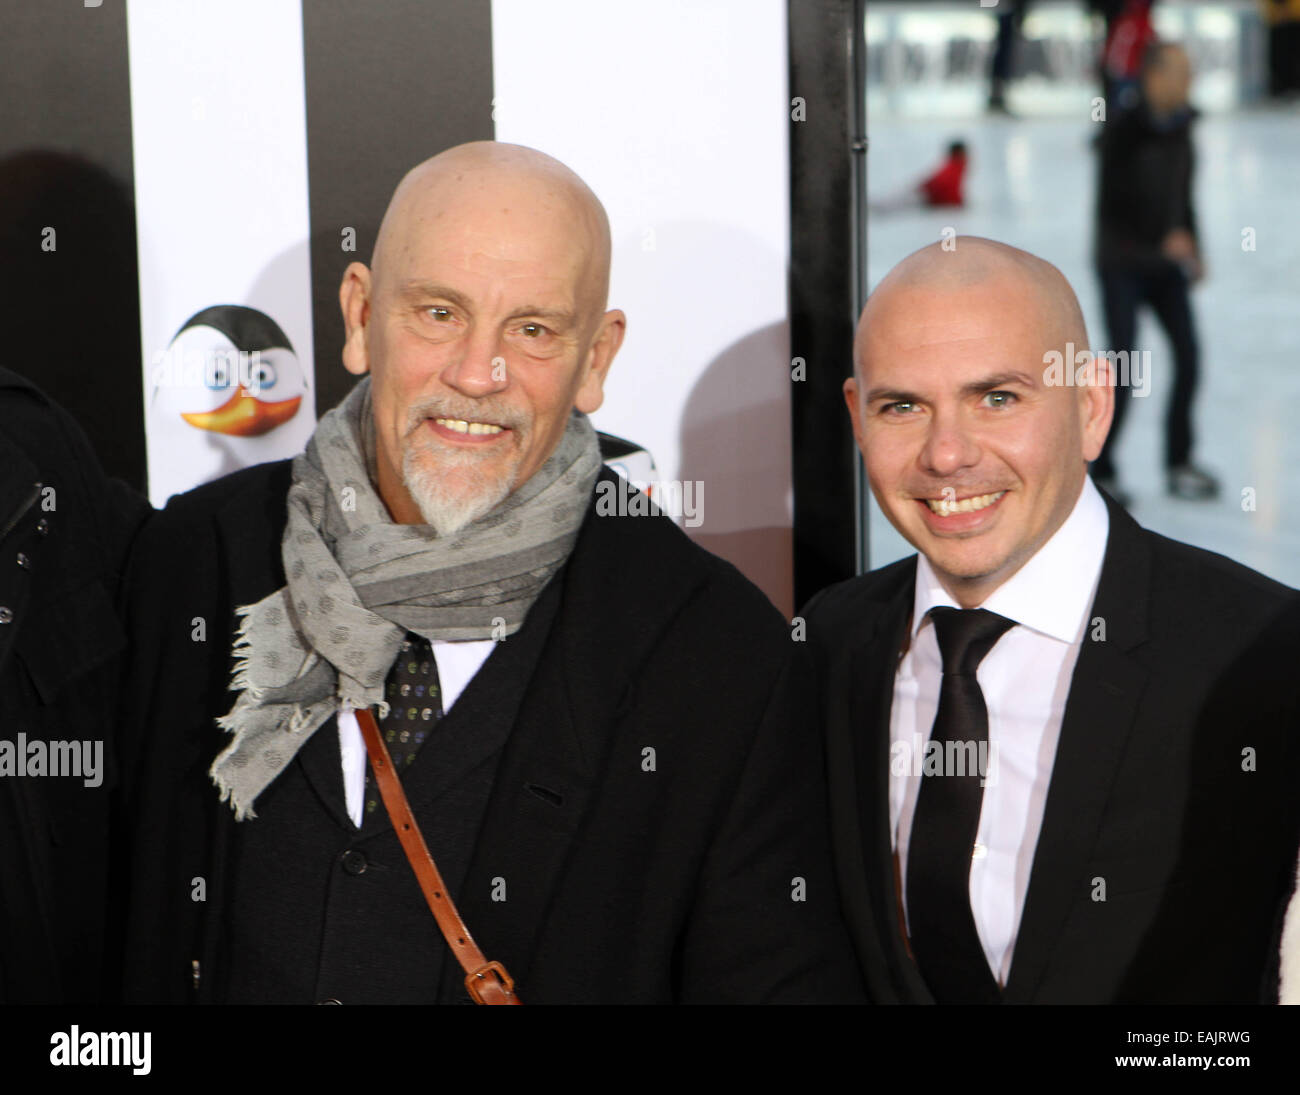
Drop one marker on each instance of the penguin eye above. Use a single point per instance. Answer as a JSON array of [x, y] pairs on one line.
[[221, 370], [262, 378]]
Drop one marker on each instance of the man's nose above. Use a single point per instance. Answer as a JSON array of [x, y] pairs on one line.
[[949, 447], [480, 368]]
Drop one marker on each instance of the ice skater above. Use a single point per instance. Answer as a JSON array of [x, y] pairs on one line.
[[1147, 252]]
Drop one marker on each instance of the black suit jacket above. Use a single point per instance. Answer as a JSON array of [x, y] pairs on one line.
[[705, 877], [1172, 794], [64, 530]]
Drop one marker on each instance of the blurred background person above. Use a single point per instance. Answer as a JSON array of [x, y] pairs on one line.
[[1011, 14], [1148, 253], [1283, 18]]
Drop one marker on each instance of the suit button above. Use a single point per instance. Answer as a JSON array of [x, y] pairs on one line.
[[42, 526], [354, 862], [6, 614], [331, 1000], [23, 561]]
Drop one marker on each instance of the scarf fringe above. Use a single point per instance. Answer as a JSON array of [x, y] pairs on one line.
[[242, 651]]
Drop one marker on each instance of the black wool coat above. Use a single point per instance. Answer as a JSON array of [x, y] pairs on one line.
[[64, 531], [696, 872]]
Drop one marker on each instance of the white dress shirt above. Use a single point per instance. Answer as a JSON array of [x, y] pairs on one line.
[[457, 662], [1025, 679]]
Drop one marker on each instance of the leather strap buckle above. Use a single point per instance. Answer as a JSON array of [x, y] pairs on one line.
[[487, 981]]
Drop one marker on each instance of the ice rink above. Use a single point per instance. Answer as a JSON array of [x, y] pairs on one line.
[[1031, 183]]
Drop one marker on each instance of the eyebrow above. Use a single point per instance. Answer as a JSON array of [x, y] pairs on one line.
[[426, 290], [975, 387]]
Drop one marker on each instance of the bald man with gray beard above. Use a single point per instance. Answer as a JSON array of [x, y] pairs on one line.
[[1061, 748], [603, 732]]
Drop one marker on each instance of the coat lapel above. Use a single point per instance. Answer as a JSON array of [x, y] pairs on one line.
[[875, 667], [557, 747], [1105, 691], [859, 695]]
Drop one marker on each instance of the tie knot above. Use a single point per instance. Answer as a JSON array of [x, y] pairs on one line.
[[965, 635]]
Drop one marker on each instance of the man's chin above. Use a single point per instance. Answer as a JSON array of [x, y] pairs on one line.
[[447, 520], [451, 500]]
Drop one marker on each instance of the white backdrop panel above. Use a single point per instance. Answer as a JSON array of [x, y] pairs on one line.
[[221, 203]]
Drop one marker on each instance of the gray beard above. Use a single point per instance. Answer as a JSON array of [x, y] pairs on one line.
[[445, 511]]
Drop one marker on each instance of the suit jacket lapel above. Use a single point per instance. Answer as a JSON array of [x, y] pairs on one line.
[[859, 694], [1100, 709], [557, 747]]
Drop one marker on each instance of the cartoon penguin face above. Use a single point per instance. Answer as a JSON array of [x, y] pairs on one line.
[[230, 370]]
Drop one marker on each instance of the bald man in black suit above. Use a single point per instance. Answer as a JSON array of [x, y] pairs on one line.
[[1127, 830]]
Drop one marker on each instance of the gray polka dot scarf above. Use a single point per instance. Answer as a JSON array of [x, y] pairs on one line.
[[357, 583]]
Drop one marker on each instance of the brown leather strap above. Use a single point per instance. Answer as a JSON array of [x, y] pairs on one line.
[[487, 982]]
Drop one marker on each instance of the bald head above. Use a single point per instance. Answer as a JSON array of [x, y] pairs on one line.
[[977, 268], [508, 189], [975, 420]]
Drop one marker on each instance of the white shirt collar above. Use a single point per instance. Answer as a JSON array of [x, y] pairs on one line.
[[1053, 591]]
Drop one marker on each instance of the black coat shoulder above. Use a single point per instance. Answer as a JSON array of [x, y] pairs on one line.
[[98, 516], [837, 607]]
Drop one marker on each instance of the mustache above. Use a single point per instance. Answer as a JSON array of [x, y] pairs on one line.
[[466, 410]]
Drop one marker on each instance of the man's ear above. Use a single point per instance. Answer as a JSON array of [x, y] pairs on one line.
[[591, 389], [354, 299], [1097, 405], [855, 410]]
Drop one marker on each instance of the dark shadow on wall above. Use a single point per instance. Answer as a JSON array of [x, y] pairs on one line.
[[70, 305], [735, 439]]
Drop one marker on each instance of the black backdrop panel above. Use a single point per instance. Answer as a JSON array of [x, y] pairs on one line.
[[822, 291], [389, 83], [71, 314]]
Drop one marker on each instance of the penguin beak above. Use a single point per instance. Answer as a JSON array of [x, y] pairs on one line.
[[244, 415]]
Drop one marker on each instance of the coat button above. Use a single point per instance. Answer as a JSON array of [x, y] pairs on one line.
[[23, 561], [354, 862], [42, 526], [6, 614]]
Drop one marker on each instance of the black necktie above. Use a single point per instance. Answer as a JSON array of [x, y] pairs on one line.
[[942, 928], [414, 697]]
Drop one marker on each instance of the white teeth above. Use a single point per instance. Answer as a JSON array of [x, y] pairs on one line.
[[944, 508], [474, 428]]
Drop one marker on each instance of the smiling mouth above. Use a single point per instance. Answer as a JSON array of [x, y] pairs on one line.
[[945, 508], [471, 429]]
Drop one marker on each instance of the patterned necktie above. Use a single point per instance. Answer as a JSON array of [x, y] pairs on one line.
[[944, 938], [414, 698]]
